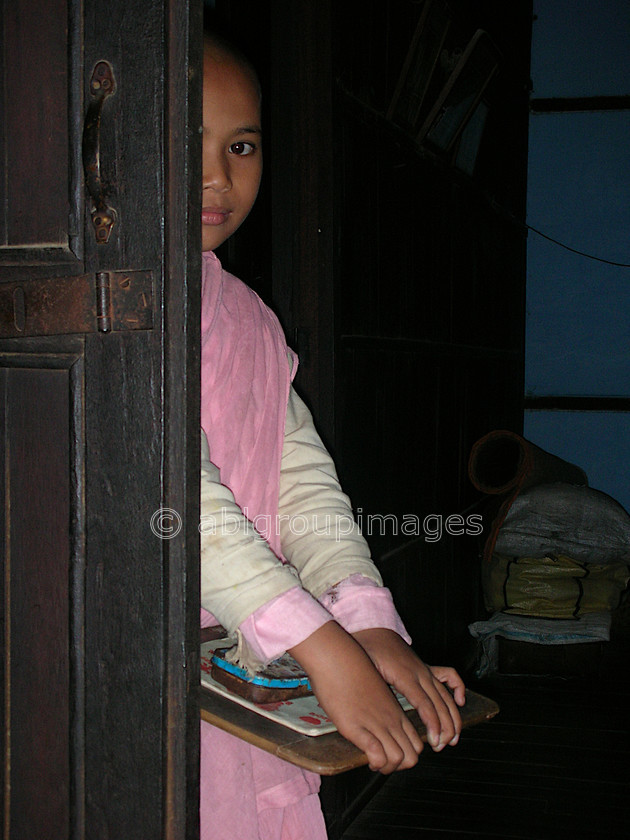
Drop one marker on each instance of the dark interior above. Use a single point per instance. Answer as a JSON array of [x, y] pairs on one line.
[[399, 276]]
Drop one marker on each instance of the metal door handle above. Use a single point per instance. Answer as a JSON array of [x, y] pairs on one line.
[[102, 85]]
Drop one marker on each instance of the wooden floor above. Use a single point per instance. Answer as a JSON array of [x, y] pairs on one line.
[[555, 763]]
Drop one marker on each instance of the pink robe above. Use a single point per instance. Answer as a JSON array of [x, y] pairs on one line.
[[247, 793]]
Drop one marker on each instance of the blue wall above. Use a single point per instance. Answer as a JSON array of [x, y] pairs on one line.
[[578, 309]]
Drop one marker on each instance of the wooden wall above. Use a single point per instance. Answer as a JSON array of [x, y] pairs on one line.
[[401, 279]]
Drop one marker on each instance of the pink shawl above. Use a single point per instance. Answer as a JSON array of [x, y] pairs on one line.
[[245, 380]]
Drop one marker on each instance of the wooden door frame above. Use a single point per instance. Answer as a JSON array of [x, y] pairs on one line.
[[182, 311], [103, 778]]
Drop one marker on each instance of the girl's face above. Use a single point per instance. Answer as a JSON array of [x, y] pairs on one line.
[[232, 152]]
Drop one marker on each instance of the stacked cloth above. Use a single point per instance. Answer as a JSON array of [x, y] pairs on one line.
[[556, 558], [592, 627]]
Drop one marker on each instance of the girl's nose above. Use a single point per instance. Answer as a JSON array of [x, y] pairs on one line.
[[216, 176]]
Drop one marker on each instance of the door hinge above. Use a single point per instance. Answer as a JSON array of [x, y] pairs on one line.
[[109, 301]]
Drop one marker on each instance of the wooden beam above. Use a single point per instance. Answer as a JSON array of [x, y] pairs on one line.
[[568, 104], [592, 403]]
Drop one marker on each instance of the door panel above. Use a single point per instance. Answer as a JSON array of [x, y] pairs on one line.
[[35, 140], [37, 595], [99, 420]]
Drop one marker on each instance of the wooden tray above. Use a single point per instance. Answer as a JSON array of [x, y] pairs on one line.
[[324, 754]]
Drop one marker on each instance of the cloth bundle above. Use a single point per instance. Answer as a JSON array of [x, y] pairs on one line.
[[555, 549], [594, 627], [580, 522], [503, 464], [554, 586]]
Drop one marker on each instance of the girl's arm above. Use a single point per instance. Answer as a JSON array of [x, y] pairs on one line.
[[318, 532], [239, 571], [256, 597], [326, 548], [368, 613], [355, 697]]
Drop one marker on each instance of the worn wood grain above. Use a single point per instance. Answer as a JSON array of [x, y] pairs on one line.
[[37, 600], [328, 754], [100, 622]]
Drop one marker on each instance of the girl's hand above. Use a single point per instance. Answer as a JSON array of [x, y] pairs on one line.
[[422, 685], [357, 700]]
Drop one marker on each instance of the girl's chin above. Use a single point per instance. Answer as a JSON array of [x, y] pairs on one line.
[[212, 239]]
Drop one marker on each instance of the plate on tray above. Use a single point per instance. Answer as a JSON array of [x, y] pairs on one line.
[[303, 714]]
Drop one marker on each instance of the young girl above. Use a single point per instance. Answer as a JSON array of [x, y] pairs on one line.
[[283, 567]]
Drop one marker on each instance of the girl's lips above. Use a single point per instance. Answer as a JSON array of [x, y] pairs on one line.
[[214, 216]]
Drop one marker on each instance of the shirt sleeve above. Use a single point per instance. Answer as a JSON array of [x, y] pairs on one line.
[[322, 540], [239, 571], [285, 621], [358, 603], [319, 535], [272, 606]]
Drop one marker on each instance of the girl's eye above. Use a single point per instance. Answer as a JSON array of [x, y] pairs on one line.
[[242, 148]]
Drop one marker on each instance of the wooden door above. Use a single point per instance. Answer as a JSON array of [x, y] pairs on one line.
[[99, 418]]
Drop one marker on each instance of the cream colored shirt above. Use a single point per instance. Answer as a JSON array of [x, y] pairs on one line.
[[320, 539]]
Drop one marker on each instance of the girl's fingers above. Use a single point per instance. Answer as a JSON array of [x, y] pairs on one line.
[[450, 736], [400, 750], [437, 709], [371, 746], [447, 677], [414, 737], [450, 677], [390, 747]]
